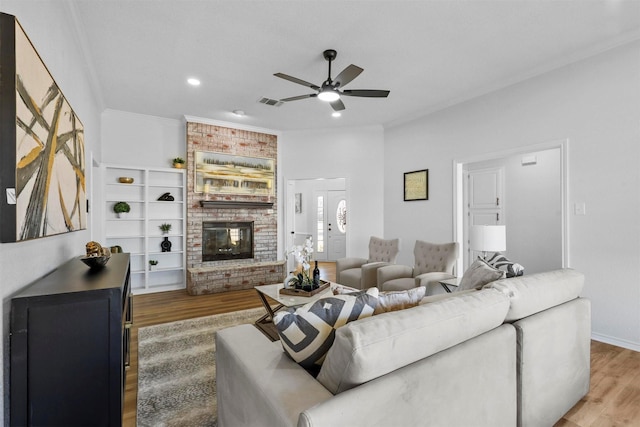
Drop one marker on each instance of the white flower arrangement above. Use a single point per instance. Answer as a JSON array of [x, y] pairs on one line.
[[302, 254]]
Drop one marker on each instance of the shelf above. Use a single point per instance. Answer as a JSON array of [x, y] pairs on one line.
[[154, 253], [138, 234], [162, 270], [164, 186], [134, 184]]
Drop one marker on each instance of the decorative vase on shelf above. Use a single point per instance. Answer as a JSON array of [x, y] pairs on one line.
[[165, 245], [122, 214]]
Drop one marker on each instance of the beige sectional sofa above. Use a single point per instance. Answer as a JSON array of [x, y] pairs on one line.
[[516, 352]]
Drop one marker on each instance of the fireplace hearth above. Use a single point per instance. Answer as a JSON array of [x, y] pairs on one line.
[[222, 240]]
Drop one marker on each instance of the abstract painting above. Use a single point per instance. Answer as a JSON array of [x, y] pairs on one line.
[[220, 173], [50, 188]]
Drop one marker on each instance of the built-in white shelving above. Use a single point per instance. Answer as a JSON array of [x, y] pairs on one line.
[[139, 232]]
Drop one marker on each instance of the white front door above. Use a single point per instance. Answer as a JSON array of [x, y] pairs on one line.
[[336, 225], [484, 203]]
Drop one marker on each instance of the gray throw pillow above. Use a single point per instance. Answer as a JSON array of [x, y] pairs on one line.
[[479, 274]]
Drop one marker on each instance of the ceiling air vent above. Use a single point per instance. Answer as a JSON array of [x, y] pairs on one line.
[[269, 101]]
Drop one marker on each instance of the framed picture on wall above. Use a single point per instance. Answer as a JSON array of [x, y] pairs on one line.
[[42, 166], [221, 173], [416, 185], [298, 203]]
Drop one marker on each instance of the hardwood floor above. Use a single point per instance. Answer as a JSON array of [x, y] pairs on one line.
[[613, 400]]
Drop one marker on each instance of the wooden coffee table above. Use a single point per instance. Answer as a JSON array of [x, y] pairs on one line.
[[269, 293]]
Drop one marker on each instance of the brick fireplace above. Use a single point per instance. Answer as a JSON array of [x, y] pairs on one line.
[[205, 277]]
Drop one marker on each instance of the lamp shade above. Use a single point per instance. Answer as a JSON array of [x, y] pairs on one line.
[[488, 238]]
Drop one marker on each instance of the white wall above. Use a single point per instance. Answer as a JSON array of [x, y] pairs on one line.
[[141, 140], [49, 27], [533, 206], [355, 154], [595, 104]]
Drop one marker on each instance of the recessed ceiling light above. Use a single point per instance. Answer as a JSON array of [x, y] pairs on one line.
[[336, 114], [193, 81], [238, 113]]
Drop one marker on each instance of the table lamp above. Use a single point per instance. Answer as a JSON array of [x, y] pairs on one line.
[[488, 238]]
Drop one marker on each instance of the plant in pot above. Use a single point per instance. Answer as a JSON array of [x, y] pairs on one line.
[[165, 228], [152, 264], [178, 163], [121, 209]]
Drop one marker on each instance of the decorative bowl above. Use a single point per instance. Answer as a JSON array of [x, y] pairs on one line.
[[95, 262], [126, 180]]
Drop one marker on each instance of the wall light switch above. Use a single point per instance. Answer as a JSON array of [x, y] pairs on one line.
[[11, 196], [579, 208]]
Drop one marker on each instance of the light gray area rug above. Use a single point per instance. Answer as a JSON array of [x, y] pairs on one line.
[[177, 370]]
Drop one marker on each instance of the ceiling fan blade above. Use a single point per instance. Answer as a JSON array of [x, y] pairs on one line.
[[369, 93], [295, 98], [296, 80], [347, 75], [337, 105]]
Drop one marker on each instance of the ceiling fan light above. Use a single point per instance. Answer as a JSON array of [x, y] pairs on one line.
[[328, 95]]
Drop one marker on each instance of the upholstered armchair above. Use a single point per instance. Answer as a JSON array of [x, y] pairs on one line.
[[361, 273], [433, 262]]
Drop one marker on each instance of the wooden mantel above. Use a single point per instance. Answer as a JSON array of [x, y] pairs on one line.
[[225, 204]]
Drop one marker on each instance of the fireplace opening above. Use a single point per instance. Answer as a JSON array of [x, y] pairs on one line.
[[226, 240]]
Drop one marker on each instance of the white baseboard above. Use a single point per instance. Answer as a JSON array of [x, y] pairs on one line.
[[616, 341]]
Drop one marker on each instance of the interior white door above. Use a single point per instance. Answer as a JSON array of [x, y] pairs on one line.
[[336, 225], [484, 203]]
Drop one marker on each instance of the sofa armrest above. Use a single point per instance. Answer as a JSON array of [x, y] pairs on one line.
[[258, 384], [391, 272], [347, 263], [426, 279]]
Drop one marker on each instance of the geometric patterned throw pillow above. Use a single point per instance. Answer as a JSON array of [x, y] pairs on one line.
[[501, 262], [307, 333]]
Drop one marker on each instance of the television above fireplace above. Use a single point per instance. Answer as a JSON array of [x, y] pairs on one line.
[[223, 240]]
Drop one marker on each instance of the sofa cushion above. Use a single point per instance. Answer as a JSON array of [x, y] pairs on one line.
[[501, 262], [372, 347], [307, 332], [537, 292], [479, 274], [389, 300]]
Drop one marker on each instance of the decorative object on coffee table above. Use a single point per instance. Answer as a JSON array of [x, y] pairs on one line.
[[303, 279], [301, 292]]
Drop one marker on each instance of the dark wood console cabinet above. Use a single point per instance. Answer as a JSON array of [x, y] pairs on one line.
[[69, 346]]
